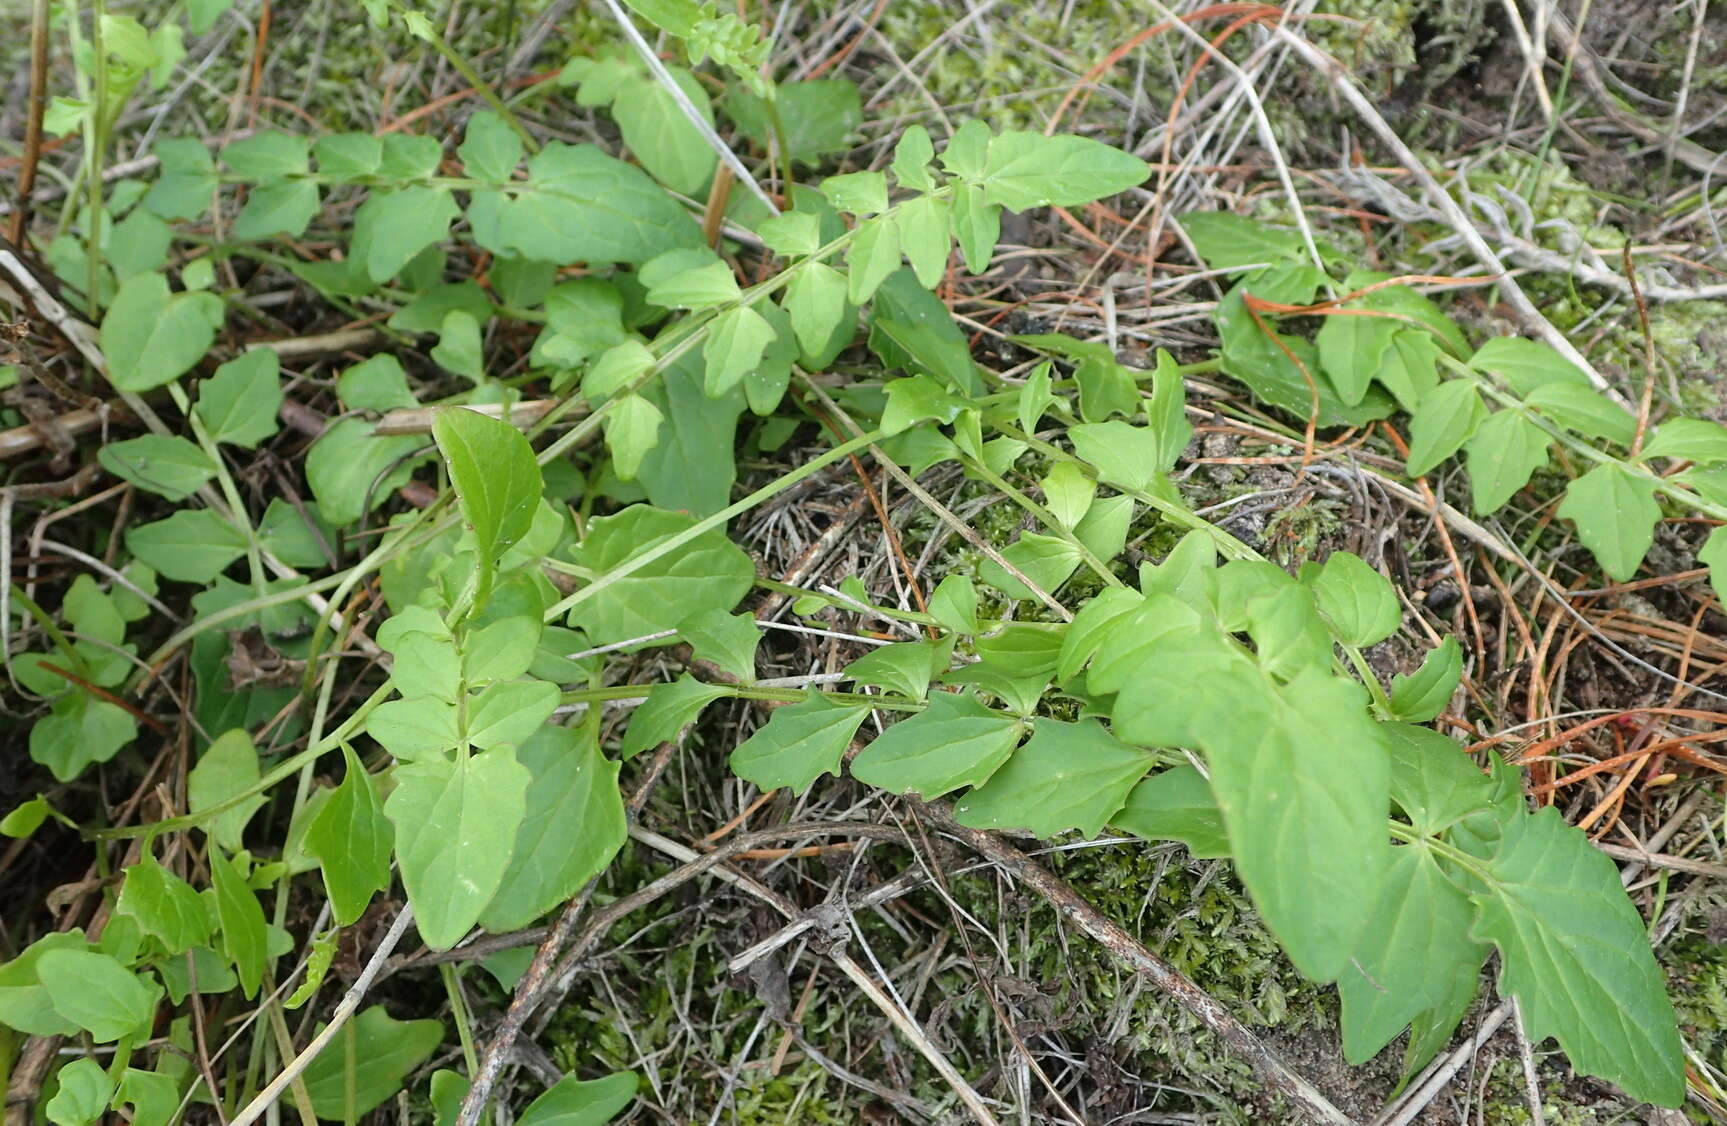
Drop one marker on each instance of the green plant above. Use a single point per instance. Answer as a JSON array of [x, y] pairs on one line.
[[1216, 699]]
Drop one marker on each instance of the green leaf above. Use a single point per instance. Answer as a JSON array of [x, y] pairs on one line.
[[238, 404], [820, 117], [734, 347], [632, 432], [1423, 694], [410, 156], [1526, 364], [924, 238], [1615, 513], [138, 243], [1410, 370], [872, 256], [906, 667], [1231, 242], [267, 155], [150, 336], [96, 993], [954, 742], [1124, 455], [1446, 419], [1575, 954], [688, 278], [911, 159], [858, 193], [1713, 555], [1415, 943], [918, 398], [28, 816], [1433, 782], [448, 1089], [953, 604], [83, 1094], [1504, 453], [791, 234], [192, 545], [392, 227], [1091, 628], [80, 730], [573, 827], [616, 369], [377, 384], [165, 906], [1281, 369], [154, 1096], [351, 472], [694, 468], [496, 478], [1357, 600], [490, 149], [976, 226], [1067, 776], [1312, 846], [1176, 805], [1025, 170], [1431, 1029], [1352, 350], [708, 572], [1688, 439], [426, 313], [187, 181], [507, 714], [279, 207], [661, 136], [726, 640], [1105, 388], [459, 348], [227, 768], [350, 156], [352, 839], [414, 729], [1583, 410], [668, 709], [799, 743], [24, 1001], [815, 300], [426, 662], [911, 329], [243, 930], [501, 650], [1046, 560], [170, 467], [580, 205], [456, 827], [366, 1063], [576, 1102]]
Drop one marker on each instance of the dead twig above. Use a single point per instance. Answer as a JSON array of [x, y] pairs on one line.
[[1268, 1065]]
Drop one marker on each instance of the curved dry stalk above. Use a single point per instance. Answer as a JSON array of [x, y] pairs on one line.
[[1340, 80], [1267, 1064], [345, 1009]]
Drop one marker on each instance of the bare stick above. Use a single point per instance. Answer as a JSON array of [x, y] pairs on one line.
[[664, 76], [878, 996], [345, 1009], [1441, 199], [1270, 1067]]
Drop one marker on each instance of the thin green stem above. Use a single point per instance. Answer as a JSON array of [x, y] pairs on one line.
[[419, 25], [1046, 518], [717, 520]]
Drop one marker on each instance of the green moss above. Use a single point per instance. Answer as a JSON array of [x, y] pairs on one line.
[[1293, 533]]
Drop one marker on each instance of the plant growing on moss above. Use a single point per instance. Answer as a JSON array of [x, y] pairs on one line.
[[1217, 700]]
